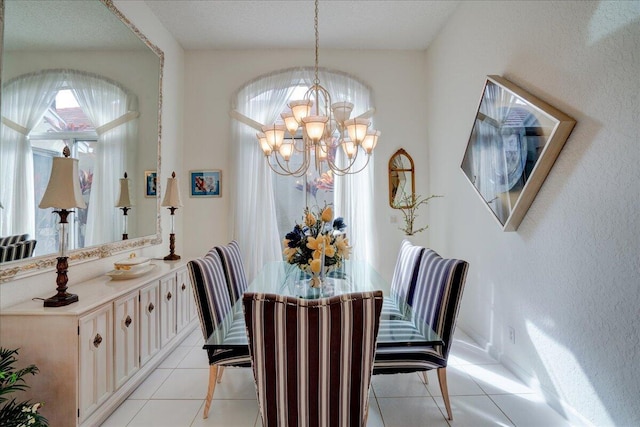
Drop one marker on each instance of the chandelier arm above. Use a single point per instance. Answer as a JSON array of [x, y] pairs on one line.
[[287, 170], [348, 171]]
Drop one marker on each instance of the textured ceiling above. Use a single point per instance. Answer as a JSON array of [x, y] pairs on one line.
[[343, 24]]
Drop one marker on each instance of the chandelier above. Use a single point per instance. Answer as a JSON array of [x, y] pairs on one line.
[[326, 129]]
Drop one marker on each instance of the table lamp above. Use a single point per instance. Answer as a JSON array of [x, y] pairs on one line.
[[172, 201], [124, 203], [63, 193]]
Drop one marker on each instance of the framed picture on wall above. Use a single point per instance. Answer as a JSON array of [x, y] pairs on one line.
[[151, 183], [206, 183], [515, 139]]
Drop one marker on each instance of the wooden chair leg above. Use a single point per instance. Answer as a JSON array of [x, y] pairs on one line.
[[425, 379], [442, 379], [220, 372], [213, 374]]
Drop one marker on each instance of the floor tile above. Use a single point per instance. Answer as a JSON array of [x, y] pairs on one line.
[[237, 383], [194, 339], [167, 413], [175, 357], [151, 384], [398, 385], [194, 359], [458, 383], [184, 384], [229, 413], [529, 410], [474, 411], [125, 413], [410, 412], [374, 419], [496, 379]]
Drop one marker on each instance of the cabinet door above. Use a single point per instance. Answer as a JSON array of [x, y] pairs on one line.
[[185, 299], [95, 359], [149, 321], [167, 309], [126, 327]]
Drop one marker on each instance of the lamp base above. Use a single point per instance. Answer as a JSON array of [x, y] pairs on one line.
[[172, 246], [60, 300]]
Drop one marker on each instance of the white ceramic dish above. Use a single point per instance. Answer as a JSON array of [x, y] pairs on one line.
[[130, 274]]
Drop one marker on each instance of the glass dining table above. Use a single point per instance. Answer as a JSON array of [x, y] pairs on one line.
[[398, 325]]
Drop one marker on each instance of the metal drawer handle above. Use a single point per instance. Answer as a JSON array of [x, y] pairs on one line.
[[151, 307], [127, 321], [169, 296], [97, 340], [184, 287]]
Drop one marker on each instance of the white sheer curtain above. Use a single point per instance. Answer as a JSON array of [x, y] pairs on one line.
[[24, 102], [255, 226], [262, 100], [109, 108]]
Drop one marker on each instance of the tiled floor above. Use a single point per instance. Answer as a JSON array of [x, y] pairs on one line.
[[482, 392]]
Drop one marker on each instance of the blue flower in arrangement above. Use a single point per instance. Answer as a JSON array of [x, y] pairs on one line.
[[338, 224]]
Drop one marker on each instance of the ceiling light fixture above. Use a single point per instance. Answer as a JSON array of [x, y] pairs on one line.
[[326, 127]]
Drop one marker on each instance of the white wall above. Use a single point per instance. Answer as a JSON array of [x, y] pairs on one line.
[[139, 14], [568, 280], [211, 78]]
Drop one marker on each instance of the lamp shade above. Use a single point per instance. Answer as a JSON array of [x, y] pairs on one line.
[[124, 201], [63, 190], [172, 194]]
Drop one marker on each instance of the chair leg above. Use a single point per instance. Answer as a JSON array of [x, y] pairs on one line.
[[220, 372], [442, 379], [213, 374], [425, 378]]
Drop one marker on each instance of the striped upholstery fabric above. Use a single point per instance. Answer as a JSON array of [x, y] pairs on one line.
[[436, 300], [233, 269], [16, 247], [313, 359], [406, 271], [214, 306]]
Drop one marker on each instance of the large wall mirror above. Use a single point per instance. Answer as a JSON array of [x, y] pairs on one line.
[[77, 73]]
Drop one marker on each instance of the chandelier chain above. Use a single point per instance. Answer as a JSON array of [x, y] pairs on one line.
[[315, 26]]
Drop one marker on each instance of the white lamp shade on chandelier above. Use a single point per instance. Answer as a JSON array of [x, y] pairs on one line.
[[325, 126], [63, 190]]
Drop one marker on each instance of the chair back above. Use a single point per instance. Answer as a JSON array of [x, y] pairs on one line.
[[312, 359], [437, 295], [233, 269], [209, 290], [406, 271]]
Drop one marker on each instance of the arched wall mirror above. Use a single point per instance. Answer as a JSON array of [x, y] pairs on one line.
[[402, 185], [98, 82]]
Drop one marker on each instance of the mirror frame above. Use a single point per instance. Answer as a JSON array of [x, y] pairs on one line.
[[46, 263], [392, 168]]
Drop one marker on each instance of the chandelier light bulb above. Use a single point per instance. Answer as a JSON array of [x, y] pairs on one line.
[[286, 150], [300, 109], [350, 148], [262, 142], [357, 129], [290, 122], [314, 125], [274, 135], [370, 141], [321, 151], [341, 111]]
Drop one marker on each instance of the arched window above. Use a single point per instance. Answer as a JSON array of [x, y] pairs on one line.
[[100, 128], [266, 204]]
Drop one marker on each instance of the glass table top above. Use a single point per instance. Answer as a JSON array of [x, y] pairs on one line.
[[398, 325]]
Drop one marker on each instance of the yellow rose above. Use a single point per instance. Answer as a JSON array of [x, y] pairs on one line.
[[310, 220], [315, 266], [327, 214]]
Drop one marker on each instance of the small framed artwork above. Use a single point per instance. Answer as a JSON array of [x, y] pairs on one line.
[[515, 139], [206, 183], [151, 183]]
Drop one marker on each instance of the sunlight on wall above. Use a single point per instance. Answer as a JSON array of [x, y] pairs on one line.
[[558, 359], [610, 16]]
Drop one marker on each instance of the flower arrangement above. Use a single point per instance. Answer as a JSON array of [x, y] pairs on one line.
[[319, 245]]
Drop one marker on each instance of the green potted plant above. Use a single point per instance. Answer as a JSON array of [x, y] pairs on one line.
[[17, 413]]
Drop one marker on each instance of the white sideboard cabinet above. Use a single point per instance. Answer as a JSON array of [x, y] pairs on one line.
[[92, 354]]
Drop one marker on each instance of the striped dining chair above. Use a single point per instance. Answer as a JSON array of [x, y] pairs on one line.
[[312, 359], [233, 269], [436, 300], [405, 272], [213, 304]]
